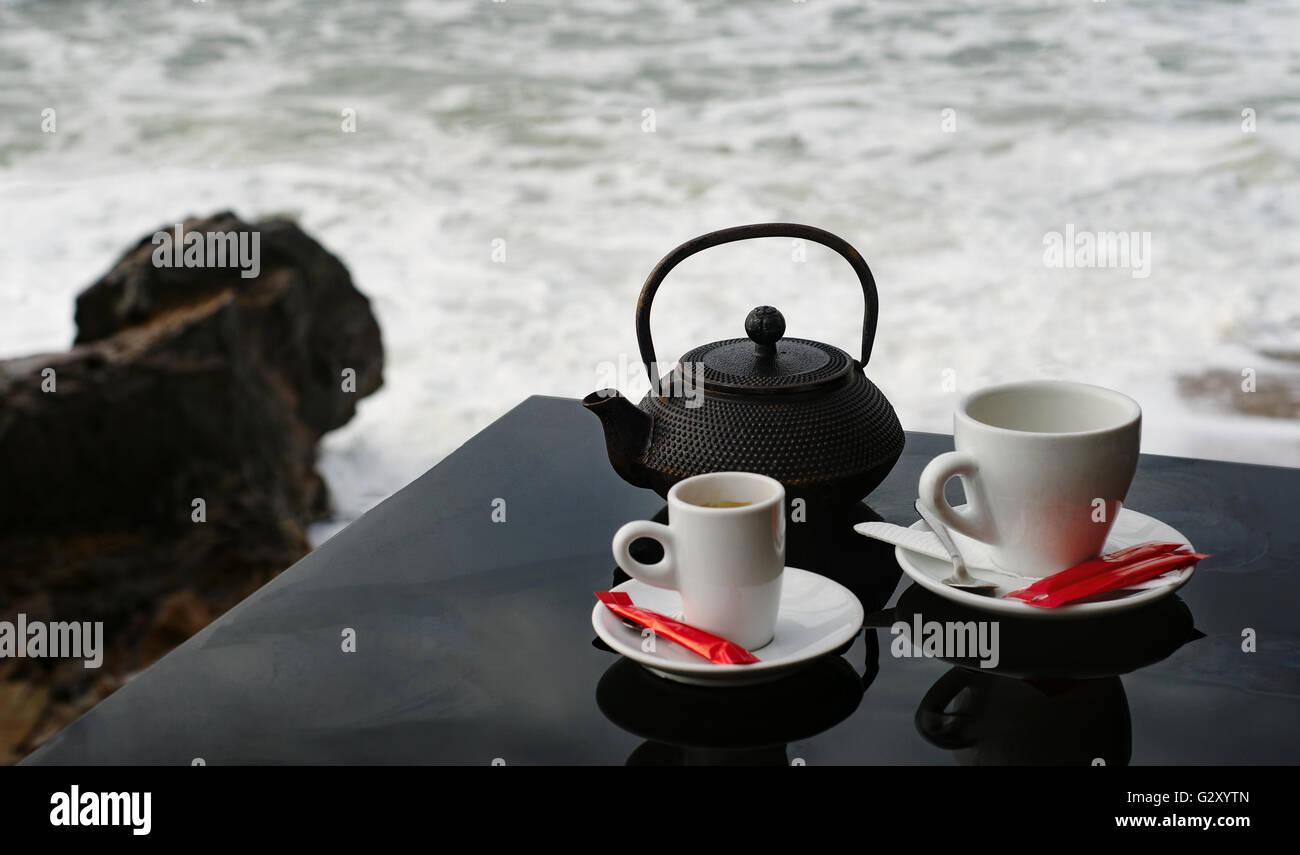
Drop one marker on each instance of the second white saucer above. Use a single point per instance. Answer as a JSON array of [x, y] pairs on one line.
[[1130, 528]]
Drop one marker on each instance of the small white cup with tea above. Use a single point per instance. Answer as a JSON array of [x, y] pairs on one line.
[[724, 552], [1045, 465]]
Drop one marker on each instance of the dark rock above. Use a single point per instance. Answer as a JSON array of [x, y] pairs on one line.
[[183, 384], [22, 704], [180, 615], [313, 323]]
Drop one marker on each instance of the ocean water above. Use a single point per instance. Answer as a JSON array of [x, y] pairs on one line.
[[517, 168]]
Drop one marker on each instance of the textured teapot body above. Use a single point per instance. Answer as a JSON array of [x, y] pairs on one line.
[[833, 447]]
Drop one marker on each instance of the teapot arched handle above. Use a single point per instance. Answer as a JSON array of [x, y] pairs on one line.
[[756, 230]]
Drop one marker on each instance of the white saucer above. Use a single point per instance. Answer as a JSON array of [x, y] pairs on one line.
[[817, 616], [1130, 528]]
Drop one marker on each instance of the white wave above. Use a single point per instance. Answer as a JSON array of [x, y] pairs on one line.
[[524, 122]]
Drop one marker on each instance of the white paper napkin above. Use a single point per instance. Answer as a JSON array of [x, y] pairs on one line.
[[975, 554]]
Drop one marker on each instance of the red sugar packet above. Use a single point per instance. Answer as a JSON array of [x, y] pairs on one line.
[[1093, 566], [712, 647], [1124, 576]]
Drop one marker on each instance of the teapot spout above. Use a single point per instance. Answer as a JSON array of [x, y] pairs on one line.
[[627, 433]]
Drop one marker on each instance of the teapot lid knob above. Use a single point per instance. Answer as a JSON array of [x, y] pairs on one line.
[[765, 326]]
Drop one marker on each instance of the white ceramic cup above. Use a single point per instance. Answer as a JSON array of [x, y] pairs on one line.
[[1045, 464], [725, 562]]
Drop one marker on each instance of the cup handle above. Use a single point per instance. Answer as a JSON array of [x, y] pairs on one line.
[[974, 521], [944, 729], [660, 575]]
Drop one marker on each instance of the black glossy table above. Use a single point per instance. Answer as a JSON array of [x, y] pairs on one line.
[[473, 641]]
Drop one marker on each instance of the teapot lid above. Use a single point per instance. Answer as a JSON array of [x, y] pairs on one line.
[[765, 363]]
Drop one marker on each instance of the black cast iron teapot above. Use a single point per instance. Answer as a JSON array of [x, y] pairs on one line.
[[799, 411]]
